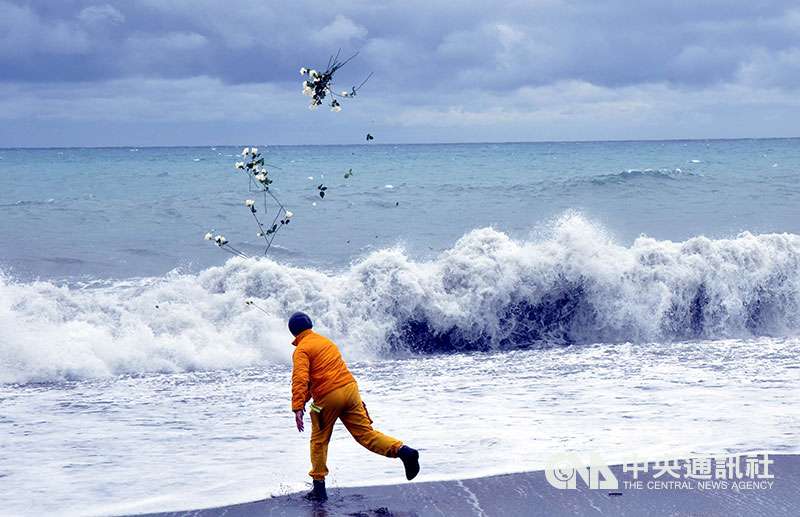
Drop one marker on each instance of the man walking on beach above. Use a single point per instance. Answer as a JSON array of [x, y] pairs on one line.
[[320, 372]]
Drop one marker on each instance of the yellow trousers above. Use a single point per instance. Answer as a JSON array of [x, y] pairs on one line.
[[345, 404]]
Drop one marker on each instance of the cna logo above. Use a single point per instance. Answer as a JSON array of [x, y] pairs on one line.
[[562, 472]]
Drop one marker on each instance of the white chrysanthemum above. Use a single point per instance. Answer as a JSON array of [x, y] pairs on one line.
[[239, 165], [261, 177], [289, 214], [303, 71], [249, 203], [209, 236], [254, 151], [245, 151], [220, 240], [314, 74]]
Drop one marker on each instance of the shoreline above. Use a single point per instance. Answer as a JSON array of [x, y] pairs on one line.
[[530, 493]]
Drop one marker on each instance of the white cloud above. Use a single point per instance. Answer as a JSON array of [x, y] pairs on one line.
[[339, 32], [776, 69], [23, 32], [580, 110], [172, 41], [138, 99], [98, 15]]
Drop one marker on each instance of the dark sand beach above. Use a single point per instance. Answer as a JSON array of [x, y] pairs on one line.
[[529, 493]]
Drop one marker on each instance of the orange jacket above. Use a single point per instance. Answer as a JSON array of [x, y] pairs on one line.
[[318, 368]]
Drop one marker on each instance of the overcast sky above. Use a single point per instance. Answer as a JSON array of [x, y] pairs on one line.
[[172, 72]]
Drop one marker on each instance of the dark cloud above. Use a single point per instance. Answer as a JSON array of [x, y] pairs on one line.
[[494, 44], [427, 56]]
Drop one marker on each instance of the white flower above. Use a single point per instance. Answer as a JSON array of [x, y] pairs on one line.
[[245, 151], [336, 109], [314, 75], [254, 151], [289, 214], [303, 71], [249, 203], [220, 240], [208, 236], [345, 94], [239, 165], [261, 177]]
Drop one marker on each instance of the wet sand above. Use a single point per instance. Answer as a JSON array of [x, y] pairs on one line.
[[529, 493]]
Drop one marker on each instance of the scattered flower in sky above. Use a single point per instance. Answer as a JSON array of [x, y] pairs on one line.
[[320, 85]]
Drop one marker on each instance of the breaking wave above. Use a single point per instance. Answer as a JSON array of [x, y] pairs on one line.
[[636, 174], [573, 285]]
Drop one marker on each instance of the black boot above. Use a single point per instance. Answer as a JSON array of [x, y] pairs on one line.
[[318, 493], [410, 459]]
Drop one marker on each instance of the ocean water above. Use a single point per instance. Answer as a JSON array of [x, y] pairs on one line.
[[621, 298]]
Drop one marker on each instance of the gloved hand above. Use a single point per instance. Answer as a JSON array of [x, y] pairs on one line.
[[298, 419]]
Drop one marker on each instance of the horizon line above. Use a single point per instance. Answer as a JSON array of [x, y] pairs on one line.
[[611, 140]]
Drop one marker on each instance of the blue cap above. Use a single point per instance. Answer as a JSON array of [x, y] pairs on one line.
[[298, 322]]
